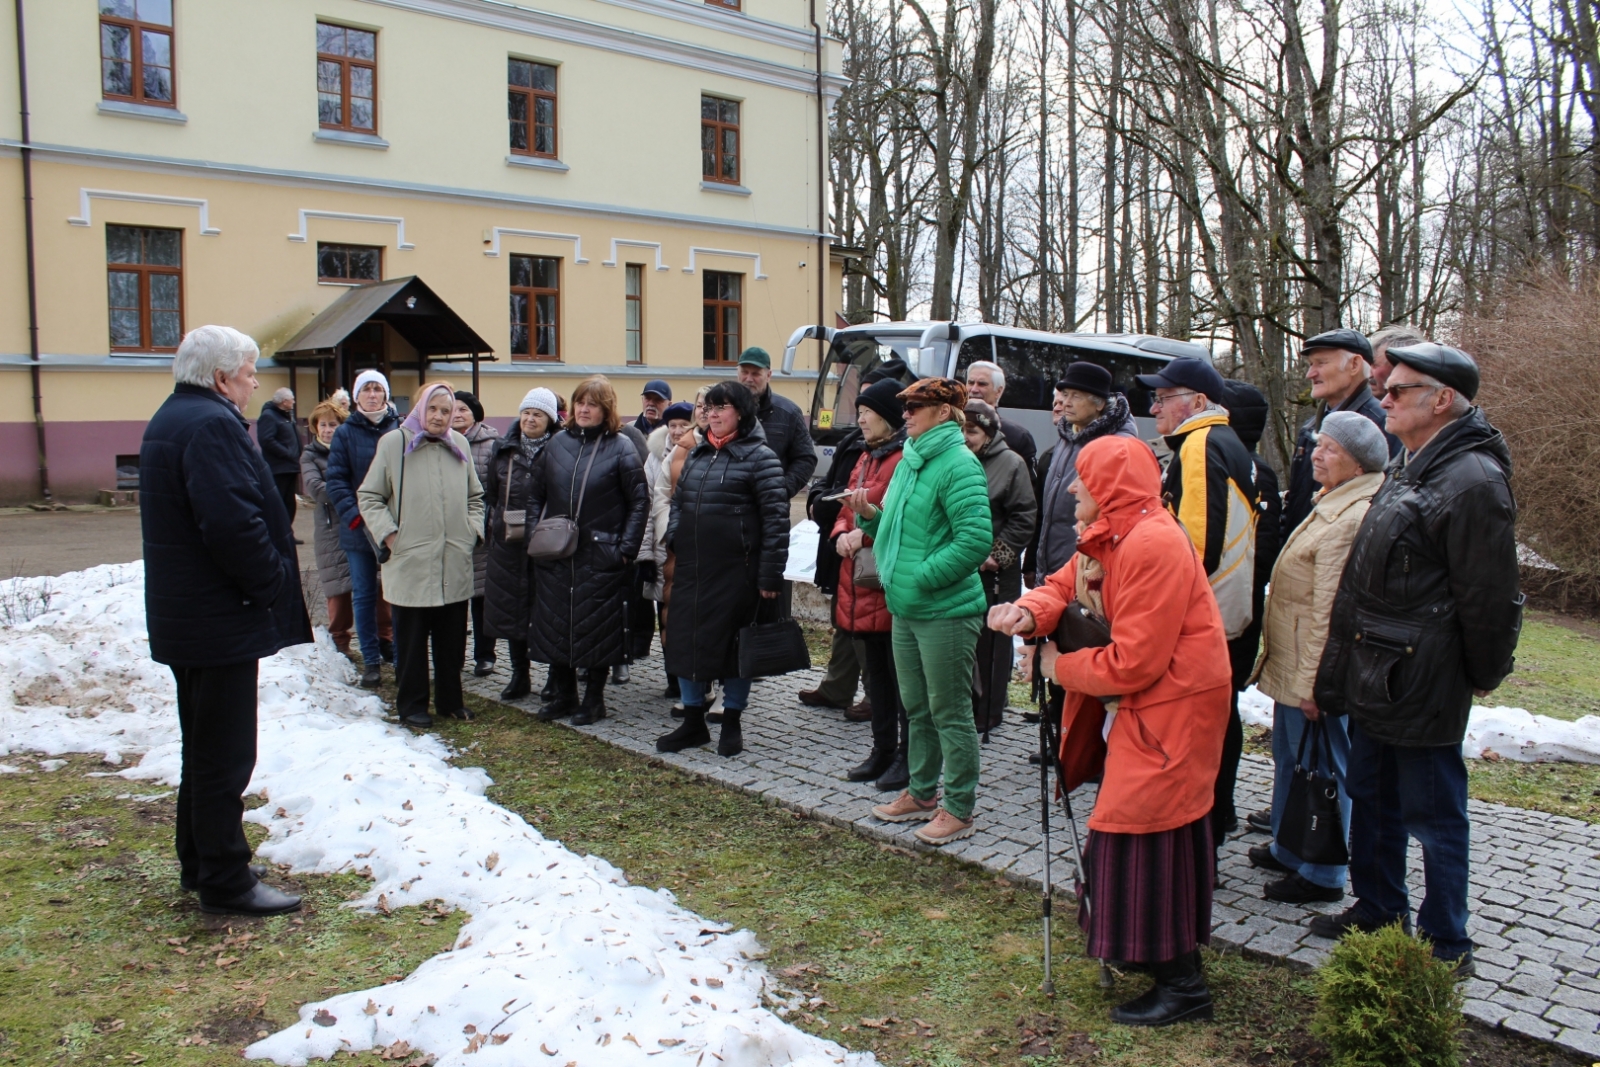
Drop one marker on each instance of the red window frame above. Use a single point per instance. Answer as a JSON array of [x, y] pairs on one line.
[[717, 351], [137, 28], [530, 96], [347, 64], [145, 271], [532, 326], [719, 161]]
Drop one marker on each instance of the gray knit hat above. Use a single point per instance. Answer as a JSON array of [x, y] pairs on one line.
[[1359, 436]]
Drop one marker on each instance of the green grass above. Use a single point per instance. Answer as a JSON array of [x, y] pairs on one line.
[[1557, 670]]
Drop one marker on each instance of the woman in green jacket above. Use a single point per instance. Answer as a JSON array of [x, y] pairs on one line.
[[930, 537]]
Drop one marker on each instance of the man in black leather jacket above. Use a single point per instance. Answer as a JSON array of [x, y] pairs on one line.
[[1427, 615], [788, 434]]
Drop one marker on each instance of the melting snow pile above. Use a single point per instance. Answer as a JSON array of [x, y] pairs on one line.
[[1492, 733], [561, 957]]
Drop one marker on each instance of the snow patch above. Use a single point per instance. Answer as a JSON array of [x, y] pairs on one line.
[[561, 957]]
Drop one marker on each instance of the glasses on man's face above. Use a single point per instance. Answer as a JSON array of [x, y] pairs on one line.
[[1157, 401], [1411, 385]]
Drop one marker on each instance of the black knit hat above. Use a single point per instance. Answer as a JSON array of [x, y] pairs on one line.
[[883, 398], [473, 404], [1088, 378]]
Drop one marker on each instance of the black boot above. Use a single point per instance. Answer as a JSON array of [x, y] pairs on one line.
[[1179, 995], [521, 684], [563, 699], [877, 762], [593, 708], [897, 777], [731, 742], [691, 734], [549, 688], [672, 692]]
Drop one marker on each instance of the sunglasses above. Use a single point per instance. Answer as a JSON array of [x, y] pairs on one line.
[[914, 405]]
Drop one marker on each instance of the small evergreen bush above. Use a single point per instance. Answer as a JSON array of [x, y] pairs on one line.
[[1384, 1001]]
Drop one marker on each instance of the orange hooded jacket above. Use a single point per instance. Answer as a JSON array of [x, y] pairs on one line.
[[1168, 657]]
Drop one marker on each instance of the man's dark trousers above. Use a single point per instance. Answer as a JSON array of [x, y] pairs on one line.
[[413, 627], [217, 714], [287, 484], [1398, 791]]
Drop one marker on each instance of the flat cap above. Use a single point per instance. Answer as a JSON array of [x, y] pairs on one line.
[[1349, 340], [1449, 365]]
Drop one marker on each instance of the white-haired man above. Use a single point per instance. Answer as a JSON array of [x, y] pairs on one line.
[[222, 590], [280, 445], [987, 382]]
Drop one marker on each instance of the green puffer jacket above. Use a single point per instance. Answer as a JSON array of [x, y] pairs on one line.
[[934, 530]]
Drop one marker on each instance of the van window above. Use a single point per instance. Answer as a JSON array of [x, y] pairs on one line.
[[1033, 367]]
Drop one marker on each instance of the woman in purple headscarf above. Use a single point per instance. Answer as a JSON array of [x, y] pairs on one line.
[[423, 504]]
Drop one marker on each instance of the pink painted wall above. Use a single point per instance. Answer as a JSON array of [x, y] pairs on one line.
[[83, 458]]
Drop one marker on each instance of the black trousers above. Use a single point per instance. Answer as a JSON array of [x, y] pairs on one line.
[[889, 730], [287, 483], [1241, 656], [217, 715], [482, 643], [413, 630]]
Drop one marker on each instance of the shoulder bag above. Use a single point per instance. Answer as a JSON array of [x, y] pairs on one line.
[[516, 522], [557, 538], [864, 565]]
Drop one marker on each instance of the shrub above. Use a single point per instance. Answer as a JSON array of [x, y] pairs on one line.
[[1535, 341], [1384, 1001]]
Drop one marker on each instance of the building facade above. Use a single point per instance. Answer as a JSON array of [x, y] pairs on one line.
[[625, 187]]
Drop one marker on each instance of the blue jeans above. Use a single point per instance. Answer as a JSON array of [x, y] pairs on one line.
[[735, 693], [1420, 792], [1289, 725], [364, 601]]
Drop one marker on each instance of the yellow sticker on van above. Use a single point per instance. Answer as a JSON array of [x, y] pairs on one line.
[[825, 419]]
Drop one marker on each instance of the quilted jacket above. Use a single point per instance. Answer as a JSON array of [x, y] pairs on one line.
[[508, 588], [333, 569], [355, 442], [483, 438], [582, 613]]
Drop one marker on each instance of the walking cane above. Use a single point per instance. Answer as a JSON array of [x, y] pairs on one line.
[[1046, 758]]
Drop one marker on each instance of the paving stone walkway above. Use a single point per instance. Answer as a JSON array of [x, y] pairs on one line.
[[1535, 881]]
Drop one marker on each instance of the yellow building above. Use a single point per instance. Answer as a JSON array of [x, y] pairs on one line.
[[624, 187]]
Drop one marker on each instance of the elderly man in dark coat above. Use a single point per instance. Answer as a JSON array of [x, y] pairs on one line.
[[1427, 615], [279, 440], [222, 590]]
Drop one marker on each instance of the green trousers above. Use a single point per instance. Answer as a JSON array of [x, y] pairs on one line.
[[934, 658]]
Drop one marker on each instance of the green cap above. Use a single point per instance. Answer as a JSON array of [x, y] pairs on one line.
[[755, 357]]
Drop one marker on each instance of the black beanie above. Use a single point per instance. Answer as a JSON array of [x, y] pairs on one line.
[[883, 397], [473, 405]]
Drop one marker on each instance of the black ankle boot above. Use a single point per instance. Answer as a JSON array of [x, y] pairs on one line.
[[897, 777], [672, 692], [563, 698], [876, 764], [731, 742], [521, 684], [1179, 995], [593, 708], [691, 734]]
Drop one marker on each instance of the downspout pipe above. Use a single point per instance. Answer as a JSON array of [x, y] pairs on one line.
[[822, 193], [33, 285]]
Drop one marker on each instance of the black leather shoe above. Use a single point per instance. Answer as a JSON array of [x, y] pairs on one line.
[[1260, 821], [262, 899], [1261, 856], [519, 685], [371, 677], [463, 714], [619, 674], [1333, 927], [483, 668], [1296, 889], [386, 651], [692, 733], [186, 883], [589, 714], [877, 762], [421, 720], [1179, 995], [897, 777]]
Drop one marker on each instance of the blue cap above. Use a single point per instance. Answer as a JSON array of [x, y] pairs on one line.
[[681, 410], [658, 387], [1187, 372]]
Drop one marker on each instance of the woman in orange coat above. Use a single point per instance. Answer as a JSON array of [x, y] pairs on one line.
[[1148, 861]]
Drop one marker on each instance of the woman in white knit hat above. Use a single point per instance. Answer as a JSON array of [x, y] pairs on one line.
[[508, 588]]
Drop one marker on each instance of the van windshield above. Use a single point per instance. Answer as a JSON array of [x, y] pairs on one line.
[[851, 358], [1033, 367]]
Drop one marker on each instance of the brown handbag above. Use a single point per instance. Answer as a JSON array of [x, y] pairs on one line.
[[557, 538], [864, 565]]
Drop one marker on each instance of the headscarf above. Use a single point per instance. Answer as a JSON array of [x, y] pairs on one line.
[[419, 433]]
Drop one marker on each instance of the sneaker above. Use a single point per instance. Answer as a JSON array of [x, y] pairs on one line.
[[943, 829], [1296, 889], [1261, 856], [1260, 821], [1333, 927], [906, 808]]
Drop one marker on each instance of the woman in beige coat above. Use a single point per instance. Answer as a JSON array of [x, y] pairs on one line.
[[1350, 454], [423, 502]]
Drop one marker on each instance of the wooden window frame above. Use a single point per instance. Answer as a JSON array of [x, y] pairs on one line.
[[333, 280], [533, 293], [136, 50], [533, 96], [720, 333], [144, 271], [345, 64], [634, 302], [718, 127], [726, 5]]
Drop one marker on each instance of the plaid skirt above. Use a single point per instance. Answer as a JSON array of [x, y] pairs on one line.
[[1147, 897]]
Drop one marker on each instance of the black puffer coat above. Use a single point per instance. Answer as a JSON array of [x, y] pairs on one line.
[[1247, 414], [582, 600], [1429, 608], [826, 512], [508, 588], [730, 532]]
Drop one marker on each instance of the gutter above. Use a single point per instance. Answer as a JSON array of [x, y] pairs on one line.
[[33, 287], [822, 191]]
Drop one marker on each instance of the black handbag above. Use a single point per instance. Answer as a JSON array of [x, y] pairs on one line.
[[772, 648], [1312, 827], [1080, 628], [557, 537]]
